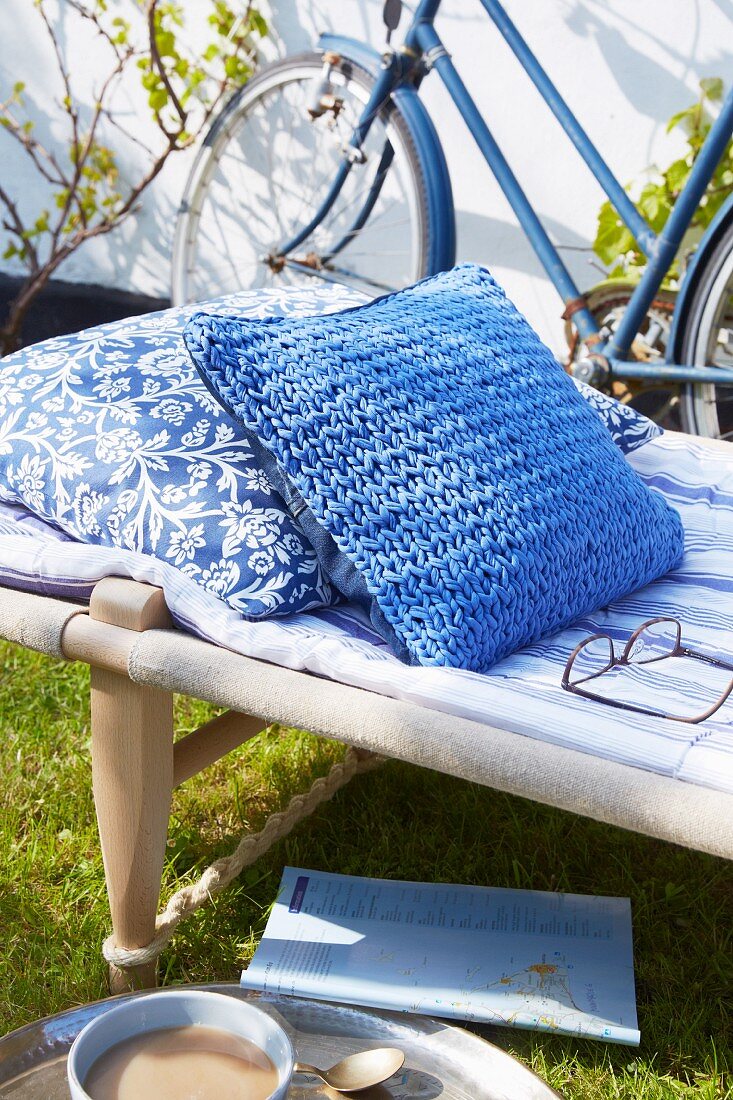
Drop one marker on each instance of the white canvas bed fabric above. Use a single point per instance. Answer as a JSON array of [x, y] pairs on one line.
[[522, 694]]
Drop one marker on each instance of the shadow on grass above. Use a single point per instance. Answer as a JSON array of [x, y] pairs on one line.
[[398, 822], [404, 822]]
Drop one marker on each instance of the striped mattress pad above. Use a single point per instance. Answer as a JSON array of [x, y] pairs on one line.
[[522, 693]]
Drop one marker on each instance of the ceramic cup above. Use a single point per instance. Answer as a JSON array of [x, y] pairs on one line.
[[179, 1008]]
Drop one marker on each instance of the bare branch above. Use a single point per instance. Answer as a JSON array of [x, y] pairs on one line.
[[40, 156], [83, 156], [94, 202], [94, 19], [109, 117], [68, 101], [158, 62], [18, 228]]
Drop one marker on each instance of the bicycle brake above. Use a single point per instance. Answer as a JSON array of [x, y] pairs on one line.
[[325, 99]]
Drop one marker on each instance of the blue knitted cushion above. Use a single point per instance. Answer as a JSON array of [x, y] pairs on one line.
[[450, 475]]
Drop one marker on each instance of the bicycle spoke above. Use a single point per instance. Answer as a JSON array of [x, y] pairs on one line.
[[363, 192], [392, 225], [345, 273], [383, 252], [305, 202], [269, 172], [336, 275]]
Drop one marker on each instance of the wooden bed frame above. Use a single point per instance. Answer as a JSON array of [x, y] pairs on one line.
[[138, 660]]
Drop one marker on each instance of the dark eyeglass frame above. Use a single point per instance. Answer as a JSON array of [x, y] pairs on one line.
[[678, 650]]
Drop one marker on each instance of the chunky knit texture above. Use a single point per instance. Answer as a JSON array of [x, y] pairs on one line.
[[461, 486]]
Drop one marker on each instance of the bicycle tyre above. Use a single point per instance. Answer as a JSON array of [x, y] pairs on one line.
[[199, 201], [707, 340]]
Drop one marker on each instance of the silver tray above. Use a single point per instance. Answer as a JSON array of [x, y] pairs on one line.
[[441, 1060]]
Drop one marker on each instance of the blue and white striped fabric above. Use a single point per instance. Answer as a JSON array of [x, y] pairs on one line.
[[521, 693]]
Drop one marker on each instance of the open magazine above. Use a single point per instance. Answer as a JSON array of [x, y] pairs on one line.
[[523, 958]]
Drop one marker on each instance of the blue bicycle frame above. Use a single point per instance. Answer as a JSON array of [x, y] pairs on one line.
[[660, 249], [423, 51]]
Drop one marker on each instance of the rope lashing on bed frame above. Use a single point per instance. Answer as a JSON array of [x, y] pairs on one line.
[[223, 872]]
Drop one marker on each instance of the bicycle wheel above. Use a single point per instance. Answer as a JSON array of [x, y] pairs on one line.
[[707, 340], [263, 171]]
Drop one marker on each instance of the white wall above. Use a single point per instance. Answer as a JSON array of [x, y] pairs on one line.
[[624, 66]]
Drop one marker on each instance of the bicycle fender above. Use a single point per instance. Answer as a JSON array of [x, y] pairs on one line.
[[441, 212], [693, 272], [360, 52]]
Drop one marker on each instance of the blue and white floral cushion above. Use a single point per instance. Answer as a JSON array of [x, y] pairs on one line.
[[629, 429], [112, 435]]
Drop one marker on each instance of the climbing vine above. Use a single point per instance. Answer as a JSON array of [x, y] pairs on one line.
[[615, 245]]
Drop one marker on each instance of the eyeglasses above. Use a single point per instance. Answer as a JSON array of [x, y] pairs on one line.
[[655, 640]]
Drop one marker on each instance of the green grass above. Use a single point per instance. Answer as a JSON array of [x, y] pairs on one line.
[[399, 821]]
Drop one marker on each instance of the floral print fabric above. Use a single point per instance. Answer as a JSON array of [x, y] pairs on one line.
[[111, 435], [629, 429]]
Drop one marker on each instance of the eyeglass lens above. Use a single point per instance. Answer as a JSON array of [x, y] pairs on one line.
[[653, 642], [594, 657]]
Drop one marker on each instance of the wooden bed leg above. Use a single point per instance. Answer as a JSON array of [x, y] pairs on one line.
[[132, 777]]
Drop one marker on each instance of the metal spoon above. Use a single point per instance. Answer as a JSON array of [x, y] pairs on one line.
[[358, 1071]]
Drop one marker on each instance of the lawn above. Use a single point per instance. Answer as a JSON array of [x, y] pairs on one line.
[[399, 822]]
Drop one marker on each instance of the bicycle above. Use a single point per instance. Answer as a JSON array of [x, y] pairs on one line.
[[326, 165]]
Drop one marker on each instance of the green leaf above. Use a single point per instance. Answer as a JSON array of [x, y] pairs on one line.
[[649, 201], [18, 87], [614, 243], [686, 119], [158, 99], [677, 173], [682, 117], [236, 69], [259, 23], [612, 237], [166, 43], [712, 88]]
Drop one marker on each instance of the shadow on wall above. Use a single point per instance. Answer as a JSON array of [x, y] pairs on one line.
[[502, 247], [480, 236], [297, 26], [653, 88], [649, 87]]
